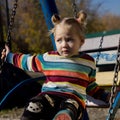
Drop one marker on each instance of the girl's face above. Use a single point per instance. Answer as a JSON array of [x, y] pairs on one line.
[[68, 41]]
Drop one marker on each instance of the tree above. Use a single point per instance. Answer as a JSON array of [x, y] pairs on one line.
[[111, 22], [93, 23], [30, 32]]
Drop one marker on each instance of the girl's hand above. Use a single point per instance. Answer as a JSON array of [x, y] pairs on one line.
[[5, 52]]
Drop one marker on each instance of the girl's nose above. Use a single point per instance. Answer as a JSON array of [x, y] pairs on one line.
[[64, 44]]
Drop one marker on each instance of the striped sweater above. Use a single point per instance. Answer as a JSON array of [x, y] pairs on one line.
[[71, 76]]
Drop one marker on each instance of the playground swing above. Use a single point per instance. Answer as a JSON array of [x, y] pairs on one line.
[[114, 101]]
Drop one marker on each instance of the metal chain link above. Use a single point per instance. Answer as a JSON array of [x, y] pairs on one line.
[[75, 10], [115, 81], [8, 40], [1, 64], [74, 6], [99, 52]]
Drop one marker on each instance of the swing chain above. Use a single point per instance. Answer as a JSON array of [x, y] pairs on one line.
[[99, 52], [74, 6], [11, 23], [115, 81], [8, 40]]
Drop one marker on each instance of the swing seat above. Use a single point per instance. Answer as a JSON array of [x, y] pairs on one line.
[[15, 90]]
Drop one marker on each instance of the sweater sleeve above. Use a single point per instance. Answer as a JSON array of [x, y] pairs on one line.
[[24, 61], [96, 91]]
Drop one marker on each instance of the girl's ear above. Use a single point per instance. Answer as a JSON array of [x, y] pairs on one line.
[[55, 19], [81, 17]]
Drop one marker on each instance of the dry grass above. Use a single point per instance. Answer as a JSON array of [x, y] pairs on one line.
[[94, 114]]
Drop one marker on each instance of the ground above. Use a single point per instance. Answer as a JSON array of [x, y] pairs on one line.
[[94, 114]]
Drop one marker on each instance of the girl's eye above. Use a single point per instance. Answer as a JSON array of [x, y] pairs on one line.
[[69, 40], [59, 40]]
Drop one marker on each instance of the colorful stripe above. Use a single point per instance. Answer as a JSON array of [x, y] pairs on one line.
[[72, 75]]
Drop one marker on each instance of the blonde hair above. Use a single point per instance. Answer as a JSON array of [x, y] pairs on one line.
[[78, 23]]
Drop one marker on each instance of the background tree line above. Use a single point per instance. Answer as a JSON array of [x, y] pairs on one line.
[[30, 33]]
